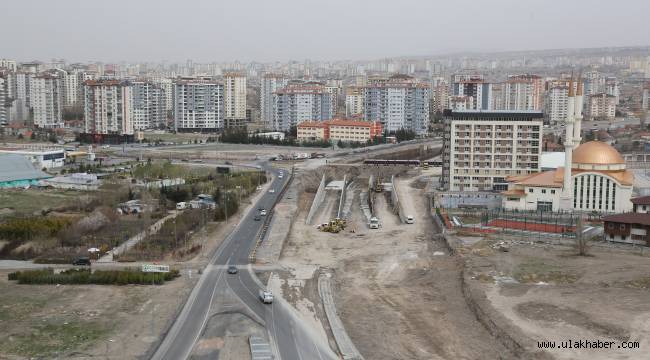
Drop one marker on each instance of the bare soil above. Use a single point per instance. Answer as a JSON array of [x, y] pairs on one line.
[[396, 299], [557, 296]]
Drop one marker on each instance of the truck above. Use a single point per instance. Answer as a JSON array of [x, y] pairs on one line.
[[374, 223], [266, 296]]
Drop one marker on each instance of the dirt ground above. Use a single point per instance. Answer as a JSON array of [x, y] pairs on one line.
[[550, 294], [396, 298]]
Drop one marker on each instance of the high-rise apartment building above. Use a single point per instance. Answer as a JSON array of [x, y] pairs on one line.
[[474, 86], [601, 106], [354, 101], [149, 105], [107, 108], [198, 105], [298, 102], [270, 83], [19, 88], [4, 98], [439, 94], [234, 98], [8, 64], [46, 100], [482, 148], [399, 102], [523, 93], [645, 98]]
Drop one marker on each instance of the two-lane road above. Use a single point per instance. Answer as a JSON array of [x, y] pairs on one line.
[[288, 335]]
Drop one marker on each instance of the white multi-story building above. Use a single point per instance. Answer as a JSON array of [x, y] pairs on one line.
[[611, 88], [108, 109], [523, 93], [474, 86], [8, 64], [46, 100], [198, 105], [270, 84], [482, 148], [298, 102], [399, 103], [4, 98], [439, 94], [167, 85], [353, 101], [555, 104], [20, 92], [601, 106], [149, 105], [234, 96]]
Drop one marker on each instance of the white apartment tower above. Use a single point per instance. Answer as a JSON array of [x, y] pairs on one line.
[[234, 96], [4, 98], [198, 105], [398, 102], [107, 108], [149, 105], [353, 101], [474, 86], [299, 102], [46, 100], [482, 148], [523, 93], [270, 84]]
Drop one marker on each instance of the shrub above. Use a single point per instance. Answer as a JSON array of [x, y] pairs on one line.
[[98, 277]]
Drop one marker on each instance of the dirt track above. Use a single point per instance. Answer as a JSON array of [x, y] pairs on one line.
[[396, 299]]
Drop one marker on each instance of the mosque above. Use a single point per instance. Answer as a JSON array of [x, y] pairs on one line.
[[596, 179]]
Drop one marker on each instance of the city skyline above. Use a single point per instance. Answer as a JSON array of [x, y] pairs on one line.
[[143, 32]]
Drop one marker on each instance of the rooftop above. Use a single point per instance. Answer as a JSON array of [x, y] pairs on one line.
[[629, 218], [15, 167]]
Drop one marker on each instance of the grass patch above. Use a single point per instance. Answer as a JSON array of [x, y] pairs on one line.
[[23, 202], [533, 270], [642, 283], [51, 340]]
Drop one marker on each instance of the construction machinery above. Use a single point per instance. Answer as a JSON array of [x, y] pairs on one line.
[[378, 186], [334, 226]]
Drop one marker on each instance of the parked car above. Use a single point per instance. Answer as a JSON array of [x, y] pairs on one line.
[[263, 212], [82, 260], [272, 191], [410, 219]]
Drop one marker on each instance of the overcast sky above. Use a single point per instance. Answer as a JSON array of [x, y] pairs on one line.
[[269, 30]]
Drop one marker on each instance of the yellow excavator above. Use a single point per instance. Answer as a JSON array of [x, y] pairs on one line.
[[334, 226]]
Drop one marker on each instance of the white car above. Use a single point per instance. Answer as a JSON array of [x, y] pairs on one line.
[[259, 188], [263, 212], [410, 219], [272, 191], [266, 296]]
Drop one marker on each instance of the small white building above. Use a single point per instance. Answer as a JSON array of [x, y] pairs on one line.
[[47, 158], [276, 135]]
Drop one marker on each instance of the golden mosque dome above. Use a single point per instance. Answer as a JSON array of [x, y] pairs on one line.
[[596, 153]]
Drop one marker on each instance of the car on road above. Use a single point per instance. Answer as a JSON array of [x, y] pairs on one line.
[[272, 191], [259, 188], [257, 218], [82, 260], [266, 296], [263, 212], [374, 223], [232, 269], [410, 219]]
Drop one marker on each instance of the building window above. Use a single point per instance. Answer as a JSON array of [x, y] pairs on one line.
[[543, 191], [530, 191], [552, 191], [622, 226]]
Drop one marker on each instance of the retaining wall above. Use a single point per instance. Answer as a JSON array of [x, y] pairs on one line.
[[397, 208], [318, 200]]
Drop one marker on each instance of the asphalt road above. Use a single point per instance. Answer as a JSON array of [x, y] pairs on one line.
[[289, 337]]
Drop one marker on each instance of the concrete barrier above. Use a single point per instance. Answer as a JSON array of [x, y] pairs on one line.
[[339, 213], [318, 200], [349, 197], [397, 208], [343, 341]]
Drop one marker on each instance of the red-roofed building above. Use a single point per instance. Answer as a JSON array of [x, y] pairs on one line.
[[339, 129]]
